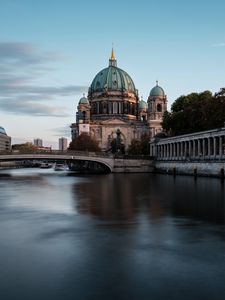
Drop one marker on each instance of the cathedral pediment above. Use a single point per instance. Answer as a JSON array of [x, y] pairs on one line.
[[114, 122]]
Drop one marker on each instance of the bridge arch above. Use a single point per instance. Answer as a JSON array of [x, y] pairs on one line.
[[105, 163]]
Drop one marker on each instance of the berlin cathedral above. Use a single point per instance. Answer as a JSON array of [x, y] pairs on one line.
[[113, 106]]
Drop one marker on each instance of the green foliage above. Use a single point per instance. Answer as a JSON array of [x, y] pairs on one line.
[[195, 112], [24, 148], [139, 147], [84, 142]]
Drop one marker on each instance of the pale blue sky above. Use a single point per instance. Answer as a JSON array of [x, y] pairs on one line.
[[50, 51]]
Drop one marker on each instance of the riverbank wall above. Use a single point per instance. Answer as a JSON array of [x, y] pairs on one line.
[[133, 166], [195, 168], [8, 164]]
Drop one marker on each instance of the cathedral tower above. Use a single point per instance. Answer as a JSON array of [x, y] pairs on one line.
[[157, 105]]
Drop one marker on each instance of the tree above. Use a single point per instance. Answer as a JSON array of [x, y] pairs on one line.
[[139, 147], [84, 142], [195, 112], [26, 148]]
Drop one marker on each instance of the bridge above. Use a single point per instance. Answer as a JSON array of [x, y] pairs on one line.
[[106, 162]]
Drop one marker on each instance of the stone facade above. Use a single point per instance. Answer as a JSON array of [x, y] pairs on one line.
[[113, 106]]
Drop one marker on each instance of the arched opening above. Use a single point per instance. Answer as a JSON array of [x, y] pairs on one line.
[[159, 107], [90, 167], [143, 118], [84, 116]]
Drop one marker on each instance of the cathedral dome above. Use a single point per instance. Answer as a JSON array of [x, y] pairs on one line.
[[142, 105], [112, 79], [83, 100], [157, 91]]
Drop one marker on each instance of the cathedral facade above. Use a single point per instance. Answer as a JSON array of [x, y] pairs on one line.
[[113, 107]]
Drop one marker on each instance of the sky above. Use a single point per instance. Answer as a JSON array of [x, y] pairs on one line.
[[51, 50]]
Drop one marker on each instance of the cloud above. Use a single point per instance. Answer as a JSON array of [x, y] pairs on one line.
[[22, 68], [62, 131], [32, 108], [25, 54]]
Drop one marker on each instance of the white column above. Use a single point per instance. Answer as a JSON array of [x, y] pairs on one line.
[[220, 146], [203, 148], [214, 146], [199, 148], [185, 149], [209, 147], [194, 148], [189, 146], [178, 150]]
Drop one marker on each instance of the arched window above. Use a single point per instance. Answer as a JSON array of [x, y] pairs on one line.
[[143, 118], [94, 108], [159, 108], [130, 108], [97, 107], [104, 108], [84, 115], [100, 107], [133, 109]]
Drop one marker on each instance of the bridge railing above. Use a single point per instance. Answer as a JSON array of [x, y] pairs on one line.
[[78, 153], [58, 152]]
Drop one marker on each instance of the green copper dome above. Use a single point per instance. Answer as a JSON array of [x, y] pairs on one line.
[[112, 79], [83, 100], [157, 91], [142, 104]]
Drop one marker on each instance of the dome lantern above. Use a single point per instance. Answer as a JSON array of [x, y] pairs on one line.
[[112, 60]]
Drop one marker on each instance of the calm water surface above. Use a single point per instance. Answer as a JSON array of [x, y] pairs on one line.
[[124, 236]]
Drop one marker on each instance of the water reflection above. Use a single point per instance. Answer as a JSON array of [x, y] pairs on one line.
[[121, 197], [122, 236]]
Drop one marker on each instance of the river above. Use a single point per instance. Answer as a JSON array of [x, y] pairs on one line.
[[115, 236]]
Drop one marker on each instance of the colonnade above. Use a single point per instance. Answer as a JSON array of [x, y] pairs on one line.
[[205, 145]]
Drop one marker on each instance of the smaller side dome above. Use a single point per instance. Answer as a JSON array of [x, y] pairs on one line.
[[83, 100], [142, 105], [157, 91], [2, 130]]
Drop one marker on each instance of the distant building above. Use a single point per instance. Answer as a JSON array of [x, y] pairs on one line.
[[38, 142], [5, 140], [62, 144], [47, 149]]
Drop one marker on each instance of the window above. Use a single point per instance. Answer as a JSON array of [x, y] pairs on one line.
[[159, 108]]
